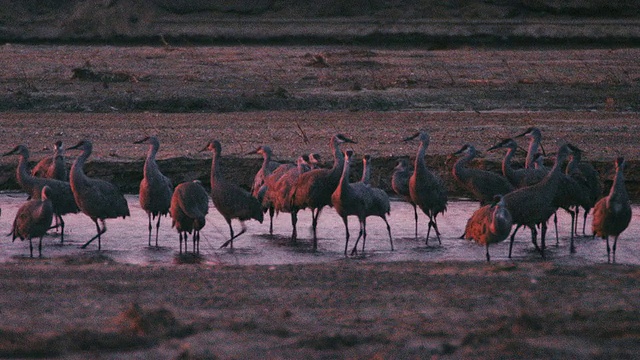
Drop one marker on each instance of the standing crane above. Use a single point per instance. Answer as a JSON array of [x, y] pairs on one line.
[[588, 179], [612, 213], [96, 198], [61, 195], [314, 188], [484, 185], [380, 205], [265, 171], [189, 206], [155, 188], [33, 219], [489, 224], [427, 190], [53, 167], [400, 185], [231, 201], [535, 137]]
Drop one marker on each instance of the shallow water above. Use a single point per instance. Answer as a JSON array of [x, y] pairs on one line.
[[126, 240]]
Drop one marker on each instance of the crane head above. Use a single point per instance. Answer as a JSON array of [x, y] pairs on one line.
[[19, 149]]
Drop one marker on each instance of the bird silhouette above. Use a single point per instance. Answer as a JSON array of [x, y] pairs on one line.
[[483, 185], [427, 190], [533, 205], [612, 213], [96, 198], [33, 219], [53, 167], [155, 188], [61, 195], [231, 201], [189, 206], [400, 185], [265, 171], [587, 178], [489, 224], [314, 188]]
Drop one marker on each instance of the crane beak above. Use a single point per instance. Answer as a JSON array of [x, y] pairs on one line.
[[411, 137], [253, 151], [13, 151], [76, 146], [146, 138]]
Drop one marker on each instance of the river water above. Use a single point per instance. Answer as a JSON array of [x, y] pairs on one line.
[[126, 240]]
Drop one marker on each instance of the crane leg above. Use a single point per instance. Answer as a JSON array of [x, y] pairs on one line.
[[150, 227], [608, 251], [271, 212], [294, 222], [97, 236], [488, 257], [415, 218], [615, 241], [389, 232], [346, 228], [157, 229]]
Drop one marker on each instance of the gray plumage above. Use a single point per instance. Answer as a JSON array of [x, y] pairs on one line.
[[189, 206], [400, 185], [259, 179], [489, 224], [427, 190], [53, 167], [155, 188], [483, 185], [588, 180], [96, 198], [612, 213], [535, 137], [231, 201], [380, 205], [33, 219], [533, 205], [314, 188], [517, 177], [61, 195]]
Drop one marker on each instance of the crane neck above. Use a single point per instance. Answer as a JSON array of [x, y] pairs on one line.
[[150, 164], [23, 176], [618, 188], [534, 145], [366, 172], [344, 178], [461, 164], [77, 169], [420, 165], [266, 159], [216, 174], [507, 170]]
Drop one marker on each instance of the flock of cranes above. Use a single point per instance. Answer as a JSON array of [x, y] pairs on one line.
[[524, 197]]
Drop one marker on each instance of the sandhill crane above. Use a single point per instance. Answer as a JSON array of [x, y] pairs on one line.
[[517, 177], [484, 185], [427, 190], [314, 188], [278, 190], [266, 169], [96, 198], [489, 224], [588, 179], [155, 188], [231, 201], [533, 205], [61, 195], [33, 219], [380, 205], [53, 167], [535, 137], [400, 185], [189, 206], [314, 160], [612, 213]]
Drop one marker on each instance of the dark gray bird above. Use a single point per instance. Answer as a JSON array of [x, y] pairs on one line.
[[61, 195], [380, 205], [265, 171], [489, 224], [535, 138], [53, 167], [612, 213], [427, 190], [314, 188], [155, 188], [588, 179], [483, 185], [278, 190], [96, 198], [231, 201], [517, 177], [189, 206], [400, 185], [33, 219], [533, 205]]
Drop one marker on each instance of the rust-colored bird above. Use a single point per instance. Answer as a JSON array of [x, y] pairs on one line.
[[155, 188], [53, 167], [612, 213], [96, 198], [489, 224], [314, 188], [33, 219], [61, 195], [427, 190], [189, 206], [231, 201]]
